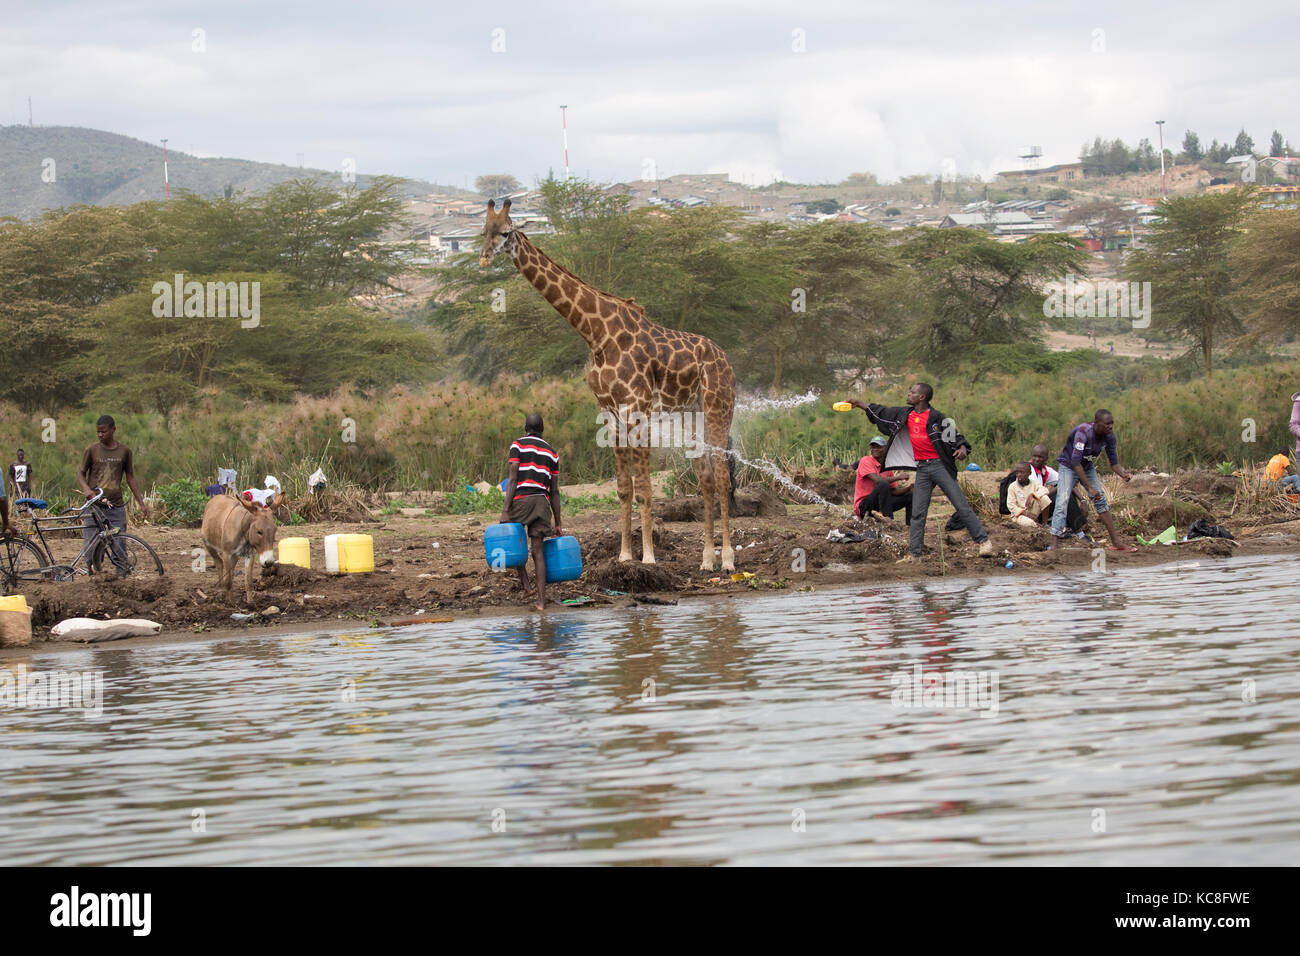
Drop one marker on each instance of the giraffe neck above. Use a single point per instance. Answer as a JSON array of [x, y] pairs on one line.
[[546, 275]]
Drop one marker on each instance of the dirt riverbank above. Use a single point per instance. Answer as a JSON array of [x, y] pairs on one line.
[[433, 567]]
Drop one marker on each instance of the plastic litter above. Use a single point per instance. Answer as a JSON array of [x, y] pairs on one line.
[[1168, 536]]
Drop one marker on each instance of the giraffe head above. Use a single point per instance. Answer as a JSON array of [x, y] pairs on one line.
[[497, 233]]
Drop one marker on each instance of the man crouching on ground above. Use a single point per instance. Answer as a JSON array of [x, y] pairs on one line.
[[533, 496], [922, 438]]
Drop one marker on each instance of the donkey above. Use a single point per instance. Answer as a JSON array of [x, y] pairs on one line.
[[236, 528]]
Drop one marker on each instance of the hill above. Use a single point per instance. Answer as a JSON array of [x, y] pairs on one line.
[[106, 169]]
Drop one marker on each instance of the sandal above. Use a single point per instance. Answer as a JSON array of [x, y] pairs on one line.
[[1125, 549]]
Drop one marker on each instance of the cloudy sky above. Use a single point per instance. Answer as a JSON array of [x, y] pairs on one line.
[[808, 91]]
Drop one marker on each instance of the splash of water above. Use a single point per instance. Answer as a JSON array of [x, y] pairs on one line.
[[776, 474], [763, 404]]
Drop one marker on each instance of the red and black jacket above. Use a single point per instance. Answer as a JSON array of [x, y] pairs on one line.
[[892, 421]]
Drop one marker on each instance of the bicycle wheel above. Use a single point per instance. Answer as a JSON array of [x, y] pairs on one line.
[[25, 559], [33, 544], [129, 556]]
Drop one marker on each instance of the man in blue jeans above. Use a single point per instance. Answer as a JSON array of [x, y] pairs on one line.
[[104, 465], [924, 439], [1078, 464]]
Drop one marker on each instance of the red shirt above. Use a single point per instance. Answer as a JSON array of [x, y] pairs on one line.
[[922, 447], [868, 472]]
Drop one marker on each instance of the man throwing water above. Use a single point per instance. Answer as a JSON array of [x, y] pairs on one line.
[[924, 439]]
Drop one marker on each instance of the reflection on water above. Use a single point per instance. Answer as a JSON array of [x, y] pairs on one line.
[[1146, 716]]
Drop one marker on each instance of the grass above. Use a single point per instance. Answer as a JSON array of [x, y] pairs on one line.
[[1258, 496], [454, 433], [590, 502]]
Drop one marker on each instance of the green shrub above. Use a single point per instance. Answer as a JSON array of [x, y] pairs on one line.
[[590, 502], [182, 501], [464, 500]]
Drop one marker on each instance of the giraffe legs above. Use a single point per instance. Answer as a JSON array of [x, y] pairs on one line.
[[704, 471], [641, 458], [722, 484], [718, 427], [623, 468]]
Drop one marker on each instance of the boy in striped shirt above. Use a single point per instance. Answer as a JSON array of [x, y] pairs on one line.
[[533, 496]]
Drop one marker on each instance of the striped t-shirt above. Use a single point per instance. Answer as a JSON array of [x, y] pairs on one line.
[[537, 462]]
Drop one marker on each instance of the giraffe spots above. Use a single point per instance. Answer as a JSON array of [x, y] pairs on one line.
[[569, 287], [606, 308], [624, 340], [587, 301]]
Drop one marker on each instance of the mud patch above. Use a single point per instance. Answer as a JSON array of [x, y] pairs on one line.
[[606, 544], [632, 576], [1215, 547], [292, 576], [836, 487], [1157, 512], [755, 501]]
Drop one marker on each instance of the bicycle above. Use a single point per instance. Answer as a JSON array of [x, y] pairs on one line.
[[126, 552], [18, 559]]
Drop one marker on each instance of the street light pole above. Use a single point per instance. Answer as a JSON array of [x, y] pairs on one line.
[[167, 189], [1164, 190], [564, 125]]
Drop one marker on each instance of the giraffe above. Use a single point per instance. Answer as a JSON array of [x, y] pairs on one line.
[[636, 367]]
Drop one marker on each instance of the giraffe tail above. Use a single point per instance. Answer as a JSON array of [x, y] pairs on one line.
[[731, 473]]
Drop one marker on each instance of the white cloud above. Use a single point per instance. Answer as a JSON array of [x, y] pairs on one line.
[[893, 89]]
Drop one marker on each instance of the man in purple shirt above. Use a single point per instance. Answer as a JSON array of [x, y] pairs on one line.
[[1078, 464], [1295, 420]]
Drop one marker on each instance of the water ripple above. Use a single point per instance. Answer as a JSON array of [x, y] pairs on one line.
[[1146, 716]]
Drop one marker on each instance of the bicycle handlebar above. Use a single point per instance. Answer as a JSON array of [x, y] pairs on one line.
[[99, 493]]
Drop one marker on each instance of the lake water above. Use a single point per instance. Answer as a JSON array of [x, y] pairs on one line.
[[1148, 716]]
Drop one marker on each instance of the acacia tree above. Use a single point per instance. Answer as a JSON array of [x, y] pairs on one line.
[[972, 290], [820, 290], [53, 270], [329, 240], [1267, 272], [1186, 260], [496, 184], [1103, 219]]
